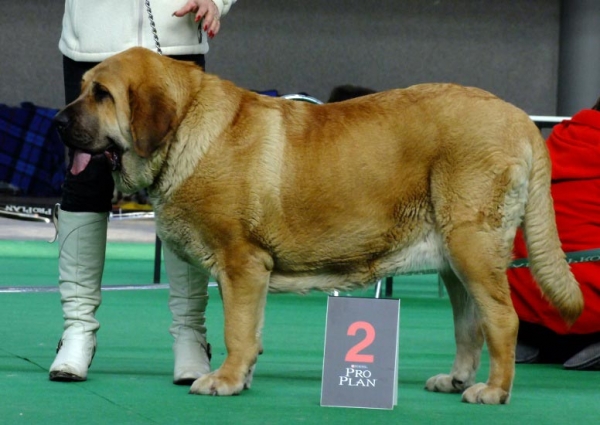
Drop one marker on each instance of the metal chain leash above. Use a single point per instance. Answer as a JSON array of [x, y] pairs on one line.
[[153, 27]]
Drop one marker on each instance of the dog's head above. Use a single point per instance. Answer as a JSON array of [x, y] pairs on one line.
[[127, 111]]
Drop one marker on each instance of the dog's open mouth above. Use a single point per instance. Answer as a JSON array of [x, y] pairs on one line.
[[81, 159], [114, 157]]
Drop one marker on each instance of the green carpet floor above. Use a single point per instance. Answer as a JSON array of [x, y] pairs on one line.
[[35, 263], [130, 380]]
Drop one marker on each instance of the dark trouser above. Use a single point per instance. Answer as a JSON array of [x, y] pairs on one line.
[[92, 189], [554, 348]]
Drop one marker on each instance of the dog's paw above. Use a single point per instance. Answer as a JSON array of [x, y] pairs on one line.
[[248, 378], [484, 394], [444, 383], [216, 383]]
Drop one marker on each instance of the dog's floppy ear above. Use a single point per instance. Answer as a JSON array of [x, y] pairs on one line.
[[152, 118]]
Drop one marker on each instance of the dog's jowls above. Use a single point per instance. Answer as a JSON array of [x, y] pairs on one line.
[[274, 194]]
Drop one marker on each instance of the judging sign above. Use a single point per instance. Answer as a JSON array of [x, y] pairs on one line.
[[360, 364]]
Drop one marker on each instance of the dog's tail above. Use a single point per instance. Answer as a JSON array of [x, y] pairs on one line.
[[547, 260]]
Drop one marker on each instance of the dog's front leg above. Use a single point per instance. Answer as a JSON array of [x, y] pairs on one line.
[[244, 285]]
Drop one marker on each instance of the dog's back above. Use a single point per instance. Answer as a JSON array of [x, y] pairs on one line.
[[363, 180]]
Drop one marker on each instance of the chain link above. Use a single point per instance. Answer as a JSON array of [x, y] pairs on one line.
[[153, 27]]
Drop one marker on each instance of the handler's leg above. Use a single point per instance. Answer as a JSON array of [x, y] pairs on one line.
[[188, 297], [82, 225], [82, 238]]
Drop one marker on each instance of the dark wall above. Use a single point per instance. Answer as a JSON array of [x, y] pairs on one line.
[[509, 47]]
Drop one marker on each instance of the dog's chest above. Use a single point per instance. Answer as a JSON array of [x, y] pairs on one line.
[[177, 229]]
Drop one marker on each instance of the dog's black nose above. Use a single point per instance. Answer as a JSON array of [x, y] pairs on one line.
[[61, 121]]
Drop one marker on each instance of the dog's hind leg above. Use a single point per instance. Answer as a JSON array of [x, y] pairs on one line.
[[468, 335], [243, 281], [479, 256]]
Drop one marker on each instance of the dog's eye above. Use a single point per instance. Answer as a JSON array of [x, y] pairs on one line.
[[101, 93]]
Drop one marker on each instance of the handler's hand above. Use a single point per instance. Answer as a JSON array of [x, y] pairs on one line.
[[203, 9]]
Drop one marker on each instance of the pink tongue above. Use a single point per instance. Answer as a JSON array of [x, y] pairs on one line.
[[80, 161]]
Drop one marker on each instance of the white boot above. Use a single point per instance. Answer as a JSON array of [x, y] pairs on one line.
[[82, 239], [188, 297]]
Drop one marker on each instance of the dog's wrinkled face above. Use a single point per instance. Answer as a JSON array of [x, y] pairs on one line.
[[121, 113]]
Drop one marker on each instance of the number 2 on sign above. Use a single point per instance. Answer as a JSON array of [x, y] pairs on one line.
[[353, 354]]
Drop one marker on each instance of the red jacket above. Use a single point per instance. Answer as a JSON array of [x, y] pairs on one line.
[[574, 147]]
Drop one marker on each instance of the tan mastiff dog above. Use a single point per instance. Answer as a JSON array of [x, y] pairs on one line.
[[281, 195]]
